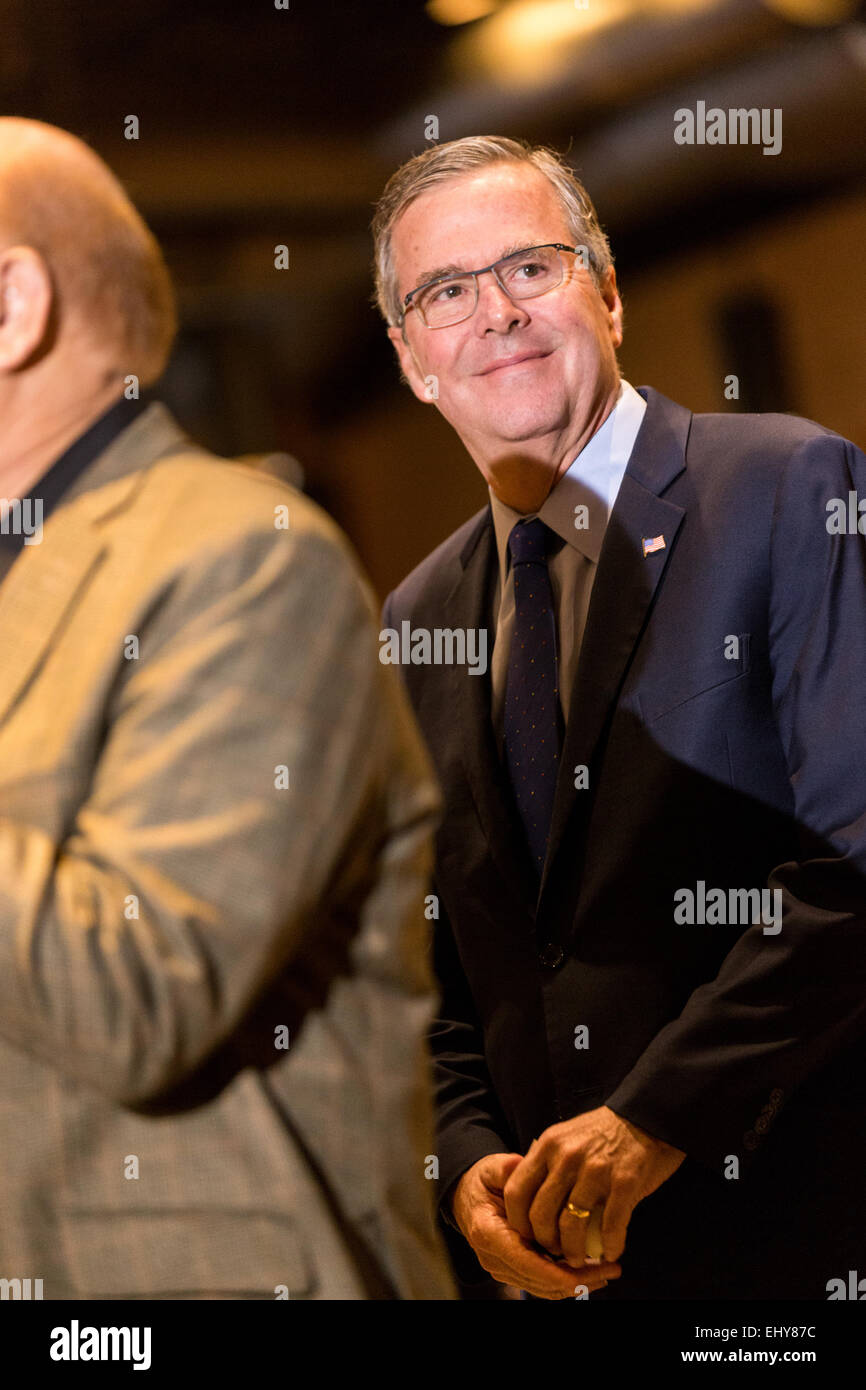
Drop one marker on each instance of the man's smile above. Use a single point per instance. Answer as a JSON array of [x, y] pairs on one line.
[[516, 360]]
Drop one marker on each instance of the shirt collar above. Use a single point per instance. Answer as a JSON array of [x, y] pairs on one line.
[[579, 506]]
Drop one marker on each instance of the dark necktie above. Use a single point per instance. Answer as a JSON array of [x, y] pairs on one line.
[[532, 718]]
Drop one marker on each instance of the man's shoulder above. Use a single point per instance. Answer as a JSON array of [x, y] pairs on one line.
[[738, 435], [752, 453], [773, 431], [765, 458], [227, 495], [154, 474], [190, 506], [436, 575]]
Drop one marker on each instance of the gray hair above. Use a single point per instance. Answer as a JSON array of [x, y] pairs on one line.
[[458, 157]]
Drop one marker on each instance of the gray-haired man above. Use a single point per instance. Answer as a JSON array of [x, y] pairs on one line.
[[667, 716]]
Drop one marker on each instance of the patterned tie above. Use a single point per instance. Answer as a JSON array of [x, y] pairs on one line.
[[532, 718]]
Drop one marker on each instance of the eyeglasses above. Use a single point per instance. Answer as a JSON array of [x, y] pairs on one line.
[[450, 299]]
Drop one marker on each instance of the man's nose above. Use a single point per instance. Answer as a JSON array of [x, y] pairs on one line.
[[495, 311]]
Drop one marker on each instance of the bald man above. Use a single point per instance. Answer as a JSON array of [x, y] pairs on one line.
[[215, 821]]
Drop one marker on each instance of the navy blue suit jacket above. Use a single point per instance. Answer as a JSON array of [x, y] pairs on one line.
[[739, 764]]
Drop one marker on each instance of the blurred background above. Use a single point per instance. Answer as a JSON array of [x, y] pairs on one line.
[[264, 124]]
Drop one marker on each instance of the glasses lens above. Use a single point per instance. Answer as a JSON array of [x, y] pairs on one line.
[[531, 272], [524, 275], [448, 301]]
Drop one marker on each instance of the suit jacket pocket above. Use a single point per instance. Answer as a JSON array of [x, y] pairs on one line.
[[198, 1252], [684, 683]]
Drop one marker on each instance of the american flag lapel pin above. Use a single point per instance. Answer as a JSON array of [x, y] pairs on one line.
[[651, 544]]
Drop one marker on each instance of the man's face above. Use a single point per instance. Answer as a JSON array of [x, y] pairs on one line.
[[534, 370]]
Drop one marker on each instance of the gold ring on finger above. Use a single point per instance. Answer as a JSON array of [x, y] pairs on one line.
[[580, 1212]]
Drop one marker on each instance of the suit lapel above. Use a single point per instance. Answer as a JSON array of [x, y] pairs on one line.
[[470, 605], [47, 578], [36, 593], [624, 588]]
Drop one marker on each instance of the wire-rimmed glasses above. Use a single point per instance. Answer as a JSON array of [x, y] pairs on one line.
[[449, 299]]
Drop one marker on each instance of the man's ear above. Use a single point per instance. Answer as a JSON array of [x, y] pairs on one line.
[[411, 367], [26, 298], [613, 304]]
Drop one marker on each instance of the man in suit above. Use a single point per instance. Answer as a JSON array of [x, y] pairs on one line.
[[650, 872], [215, 823]]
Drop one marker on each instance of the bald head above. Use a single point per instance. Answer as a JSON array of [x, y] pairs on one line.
[[108, 277]]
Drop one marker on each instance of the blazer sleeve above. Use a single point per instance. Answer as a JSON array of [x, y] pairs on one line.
[[240, 752], [784, 1006]]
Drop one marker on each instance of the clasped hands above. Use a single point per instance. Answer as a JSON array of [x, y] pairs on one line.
[[508, 1205]]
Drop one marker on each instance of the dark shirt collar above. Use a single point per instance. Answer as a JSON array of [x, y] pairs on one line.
[[49, 489]]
